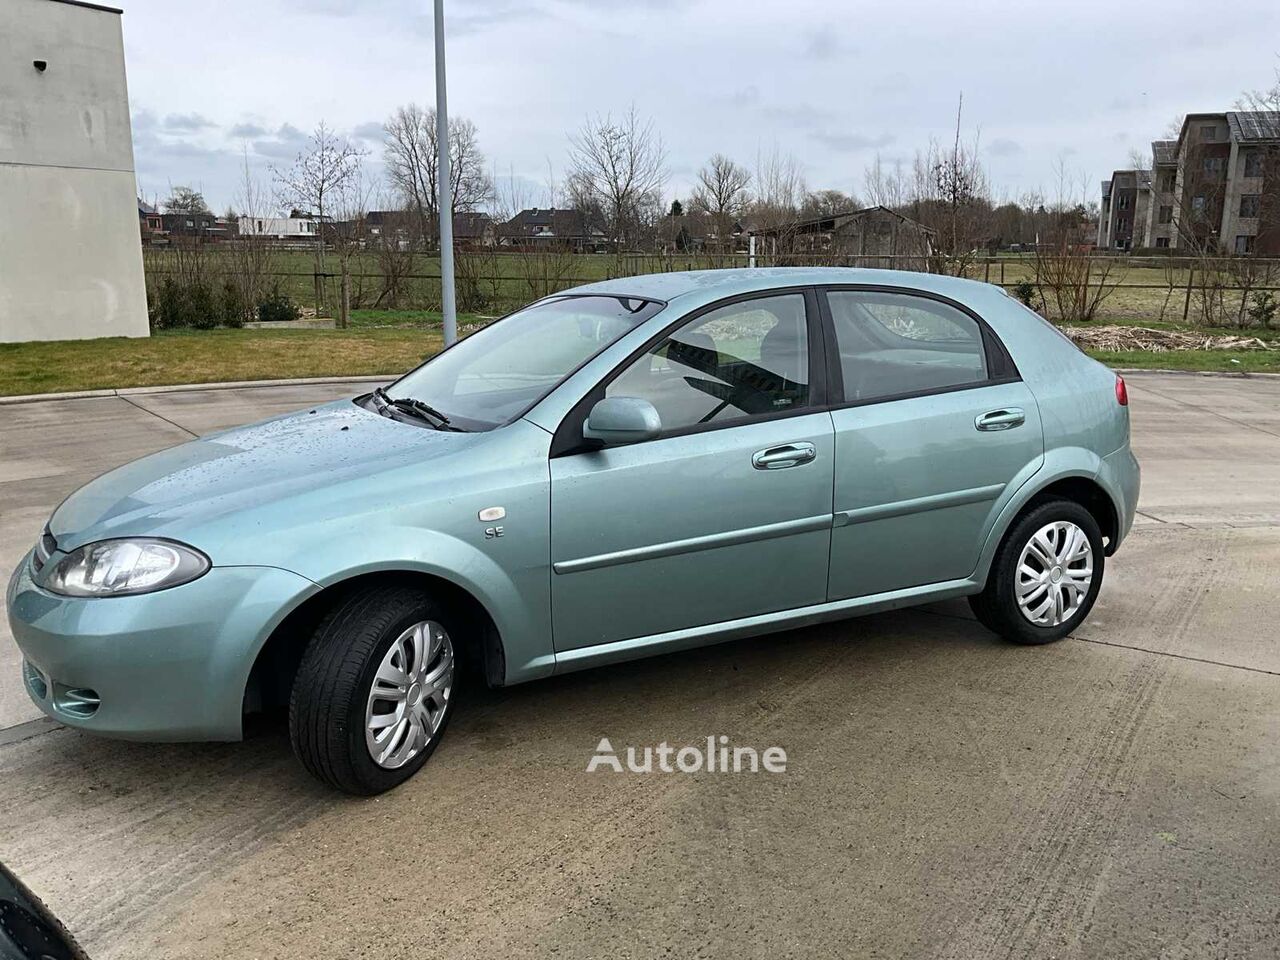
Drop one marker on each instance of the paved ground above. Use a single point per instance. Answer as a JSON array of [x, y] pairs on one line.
[[1113, 795]]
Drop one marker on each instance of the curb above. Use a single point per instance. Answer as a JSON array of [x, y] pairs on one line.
[[188, 387], [1145, 371]]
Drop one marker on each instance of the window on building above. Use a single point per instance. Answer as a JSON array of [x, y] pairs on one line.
[[1122, 225], [1253, 163], [1214, 166], [1209, 132], [1168, 181], [191, 223], [1197, 204], [1244, 243], [1166, 214], [1124, 201], [1250, 203], [1162, 242]]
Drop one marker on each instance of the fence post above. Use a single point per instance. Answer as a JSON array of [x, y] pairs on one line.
[[1186, 304], [318, 282], [344, 307]]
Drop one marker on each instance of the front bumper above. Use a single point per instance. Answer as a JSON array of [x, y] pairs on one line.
[[170, 665]]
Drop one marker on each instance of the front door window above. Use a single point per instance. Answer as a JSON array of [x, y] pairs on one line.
[[744, 360]]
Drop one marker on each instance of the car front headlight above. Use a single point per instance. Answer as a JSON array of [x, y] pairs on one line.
[[117, 568]]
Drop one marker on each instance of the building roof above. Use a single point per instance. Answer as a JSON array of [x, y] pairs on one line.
[[1164, 152], [89, 6], [546, 221], [1106, 188], [817, 223], [1252, 126], [144, 207]]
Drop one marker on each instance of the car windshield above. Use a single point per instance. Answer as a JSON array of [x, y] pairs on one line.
[[497, 373]]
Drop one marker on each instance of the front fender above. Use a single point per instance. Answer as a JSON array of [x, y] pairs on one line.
[[507, 576]]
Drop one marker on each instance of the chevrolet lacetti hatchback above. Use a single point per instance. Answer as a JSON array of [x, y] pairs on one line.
[[626, 468]]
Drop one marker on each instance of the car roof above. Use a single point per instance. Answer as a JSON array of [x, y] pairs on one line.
[[718, 284]]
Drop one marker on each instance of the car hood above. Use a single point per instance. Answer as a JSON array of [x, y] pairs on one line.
[[246, 468]]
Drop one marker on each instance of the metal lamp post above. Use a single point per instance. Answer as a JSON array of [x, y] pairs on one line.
[[445, 207]]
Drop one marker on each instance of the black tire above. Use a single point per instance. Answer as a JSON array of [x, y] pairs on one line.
[[996, 607], [331, 688]]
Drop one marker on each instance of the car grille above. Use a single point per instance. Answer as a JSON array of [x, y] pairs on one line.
[[45, 546]]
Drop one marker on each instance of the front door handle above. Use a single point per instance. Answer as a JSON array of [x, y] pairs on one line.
[[787, 455], [1005, 419]]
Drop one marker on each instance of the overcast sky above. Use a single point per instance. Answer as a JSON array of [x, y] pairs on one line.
[[829, 81]]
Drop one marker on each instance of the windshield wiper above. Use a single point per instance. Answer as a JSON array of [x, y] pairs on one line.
[[418, 408]]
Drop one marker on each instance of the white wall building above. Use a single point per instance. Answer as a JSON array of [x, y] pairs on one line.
[[70, 253], [278, 228]]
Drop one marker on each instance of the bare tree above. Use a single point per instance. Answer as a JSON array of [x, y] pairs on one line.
[[952, 196], [328, 167], [251, 257], [775, 207], [619, 166], [886, 186], [411, 157], [1073, 283], [722, 194]]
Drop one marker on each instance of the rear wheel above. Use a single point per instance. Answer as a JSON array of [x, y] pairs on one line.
[[375, 689], [1045, 576]]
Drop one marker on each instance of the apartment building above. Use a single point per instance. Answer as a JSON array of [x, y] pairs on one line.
[[1125, 198], [1217, 187]]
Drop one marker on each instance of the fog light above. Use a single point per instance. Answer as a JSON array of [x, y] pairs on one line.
[[36, 682]]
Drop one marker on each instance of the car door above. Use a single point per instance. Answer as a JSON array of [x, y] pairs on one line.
[[727, 513], [932, 425]]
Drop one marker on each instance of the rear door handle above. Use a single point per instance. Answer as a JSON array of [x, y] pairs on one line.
[[786, 455], [1005, 419]]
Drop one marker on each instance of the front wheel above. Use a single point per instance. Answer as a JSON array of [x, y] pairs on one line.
[[374, 691], [1045, 575]]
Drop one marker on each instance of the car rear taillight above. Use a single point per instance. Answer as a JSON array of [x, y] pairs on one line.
[[1122, 392]]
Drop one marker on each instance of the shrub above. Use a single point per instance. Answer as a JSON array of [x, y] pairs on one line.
[[1262, 310], [277, 306], [175, 305], [1025, 291], [203, 306], [235, 311]]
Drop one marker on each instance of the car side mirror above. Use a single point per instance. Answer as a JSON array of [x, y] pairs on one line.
[[617, 420]]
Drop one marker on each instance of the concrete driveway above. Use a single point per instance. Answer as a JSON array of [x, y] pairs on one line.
[[1113, 795]]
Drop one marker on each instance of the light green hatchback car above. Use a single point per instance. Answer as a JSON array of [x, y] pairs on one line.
[[627, 468]]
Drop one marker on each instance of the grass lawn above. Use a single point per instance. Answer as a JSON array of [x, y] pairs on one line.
[[208, 356], [1229, 361]]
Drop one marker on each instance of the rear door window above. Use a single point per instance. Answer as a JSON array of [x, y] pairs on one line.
[[895, 344]]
